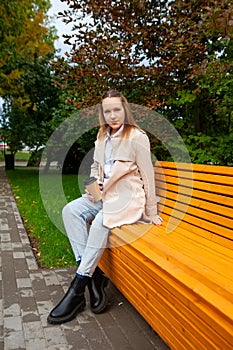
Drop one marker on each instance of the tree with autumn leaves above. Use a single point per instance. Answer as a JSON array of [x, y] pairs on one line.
[[26, 82], [174, 57], [23, 35]]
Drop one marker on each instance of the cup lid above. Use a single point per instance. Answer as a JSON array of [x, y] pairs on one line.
[[90, 180]]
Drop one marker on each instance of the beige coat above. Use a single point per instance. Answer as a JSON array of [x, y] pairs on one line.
[[129, 194]]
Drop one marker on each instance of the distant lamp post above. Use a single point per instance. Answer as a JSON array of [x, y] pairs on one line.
[[4, 148], [2, 142]]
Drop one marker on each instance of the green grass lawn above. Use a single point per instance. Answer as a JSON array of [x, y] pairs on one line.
[[20, 156], [52, 246]]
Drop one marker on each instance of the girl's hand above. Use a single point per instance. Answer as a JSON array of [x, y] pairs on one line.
[[90, 197], [157, 220]]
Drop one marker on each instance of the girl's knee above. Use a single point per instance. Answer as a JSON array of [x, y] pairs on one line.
[[66, 210], [74, 207]]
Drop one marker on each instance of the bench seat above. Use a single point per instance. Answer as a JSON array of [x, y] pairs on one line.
[[179, 276]]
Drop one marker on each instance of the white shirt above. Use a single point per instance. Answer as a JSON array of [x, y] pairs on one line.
[[108, 156]]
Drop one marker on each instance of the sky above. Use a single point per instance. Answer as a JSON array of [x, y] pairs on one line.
[[62, 28]]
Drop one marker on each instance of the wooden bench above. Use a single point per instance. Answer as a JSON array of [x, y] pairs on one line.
[[180, 276]]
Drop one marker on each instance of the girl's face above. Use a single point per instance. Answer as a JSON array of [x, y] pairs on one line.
[[114, 113]]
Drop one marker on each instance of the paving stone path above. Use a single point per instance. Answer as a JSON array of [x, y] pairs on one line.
[[27, 294]]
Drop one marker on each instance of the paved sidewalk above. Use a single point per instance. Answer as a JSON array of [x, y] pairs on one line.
[[28, 293]]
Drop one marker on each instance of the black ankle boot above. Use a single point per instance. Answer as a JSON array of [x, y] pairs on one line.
[[72, 302], [98, 297]]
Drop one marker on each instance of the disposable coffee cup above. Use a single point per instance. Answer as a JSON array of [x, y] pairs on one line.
[[92, 187]]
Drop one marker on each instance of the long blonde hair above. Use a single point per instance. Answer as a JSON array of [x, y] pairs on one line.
[[129, 122]]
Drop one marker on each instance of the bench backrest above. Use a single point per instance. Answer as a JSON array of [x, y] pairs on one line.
[[197, 197]]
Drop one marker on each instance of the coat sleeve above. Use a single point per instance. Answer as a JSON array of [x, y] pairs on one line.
[[95, 170], [145, 166]]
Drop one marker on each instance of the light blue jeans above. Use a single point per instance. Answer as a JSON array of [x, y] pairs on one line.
[[87, 241]]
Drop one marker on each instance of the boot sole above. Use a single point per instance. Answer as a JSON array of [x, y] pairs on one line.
[[60, 320]]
